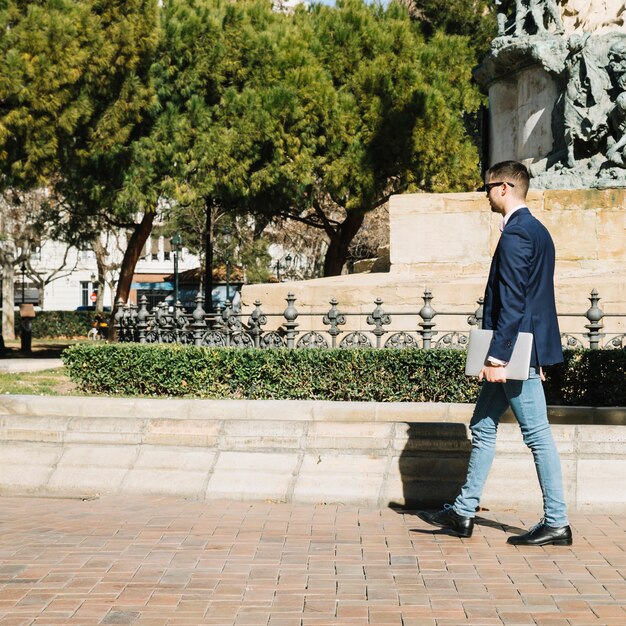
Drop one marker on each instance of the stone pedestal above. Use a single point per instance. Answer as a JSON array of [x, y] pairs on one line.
[[522, 127]]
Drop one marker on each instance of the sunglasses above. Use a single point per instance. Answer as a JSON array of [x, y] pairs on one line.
[[489, 186]]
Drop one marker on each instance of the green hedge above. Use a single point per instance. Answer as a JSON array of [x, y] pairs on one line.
[[378, 375], [591, 378], [588, 378], [59, 324]]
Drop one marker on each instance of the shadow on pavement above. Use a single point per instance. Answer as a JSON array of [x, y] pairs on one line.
[[433, 466], [478, 521], [45, 351]]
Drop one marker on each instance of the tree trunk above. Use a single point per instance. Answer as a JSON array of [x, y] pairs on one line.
[[131, 256], [101, 254], [337, 253], [8, 301], [41, 290], [208, 258]]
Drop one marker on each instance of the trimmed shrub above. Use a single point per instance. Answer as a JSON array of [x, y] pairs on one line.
[[588, 378], [59, 324], [593, 378], [351, 375]]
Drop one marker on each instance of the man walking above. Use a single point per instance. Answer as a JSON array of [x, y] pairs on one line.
[[519, 298]]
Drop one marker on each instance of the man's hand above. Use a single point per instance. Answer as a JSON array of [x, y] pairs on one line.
[[493, 374]]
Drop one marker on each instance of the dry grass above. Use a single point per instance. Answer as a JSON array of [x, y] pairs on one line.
[[50, 382], [54, 382]]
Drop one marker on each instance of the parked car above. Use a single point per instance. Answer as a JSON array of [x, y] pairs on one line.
[[92, 307]]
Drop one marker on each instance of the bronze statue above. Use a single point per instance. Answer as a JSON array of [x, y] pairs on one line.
[[544, 14], [585, 101], [616, 143]]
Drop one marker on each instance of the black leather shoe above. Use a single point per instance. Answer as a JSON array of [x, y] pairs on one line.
[[449, 519], [543, 535]]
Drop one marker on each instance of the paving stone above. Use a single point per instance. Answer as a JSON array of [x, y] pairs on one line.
[[168, 561]]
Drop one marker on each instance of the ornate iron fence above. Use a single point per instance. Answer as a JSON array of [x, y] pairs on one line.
[[226, 328]]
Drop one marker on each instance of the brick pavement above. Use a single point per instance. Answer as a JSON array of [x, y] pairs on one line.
[[156, 561]]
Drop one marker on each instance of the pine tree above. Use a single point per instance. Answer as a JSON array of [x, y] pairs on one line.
[[75, 96], [317, 116]]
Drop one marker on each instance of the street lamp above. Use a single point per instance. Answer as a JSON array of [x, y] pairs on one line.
[[176, 242], [23, 270], [284, 264]]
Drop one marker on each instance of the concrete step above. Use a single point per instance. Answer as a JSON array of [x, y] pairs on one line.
[[360, 453]]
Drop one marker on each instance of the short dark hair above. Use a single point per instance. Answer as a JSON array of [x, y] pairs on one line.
[[512, 171]]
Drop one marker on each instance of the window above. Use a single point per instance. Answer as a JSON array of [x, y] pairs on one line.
[[167, 249], [85, 292]]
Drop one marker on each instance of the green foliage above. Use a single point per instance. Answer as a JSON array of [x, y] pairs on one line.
[[400, 100], [58, 324], [474, 18], [101, 168], [319, 114], [310, 115], [45, 48], [588, 378], [75, 97], [593, 378], [350, 375], [72, 89]]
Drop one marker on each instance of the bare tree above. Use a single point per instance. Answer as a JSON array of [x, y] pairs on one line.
[[19, 233], [42, 278], [307, 244], [25, 227], [109, 253]]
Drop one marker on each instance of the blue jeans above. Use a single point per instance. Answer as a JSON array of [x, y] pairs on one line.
[[528, 403]]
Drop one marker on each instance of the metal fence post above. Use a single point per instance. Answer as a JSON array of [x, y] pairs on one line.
[[427, 313], [378, 319], [142, 317], [334, 319], [594, 314], [227, 313], [218, 323], [199, 321], [167, 324], [256, 321], [119, 316], [180, 320], [291, 314]]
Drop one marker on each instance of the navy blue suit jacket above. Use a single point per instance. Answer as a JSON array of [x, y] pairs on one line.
[[520, 291]]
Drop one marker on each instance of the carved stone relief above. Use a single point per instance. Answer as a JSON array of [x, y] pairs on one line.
[[560, 92]]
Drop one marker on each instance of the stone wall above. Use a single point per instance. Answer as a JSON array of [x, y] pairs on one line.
[[361, 453]]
